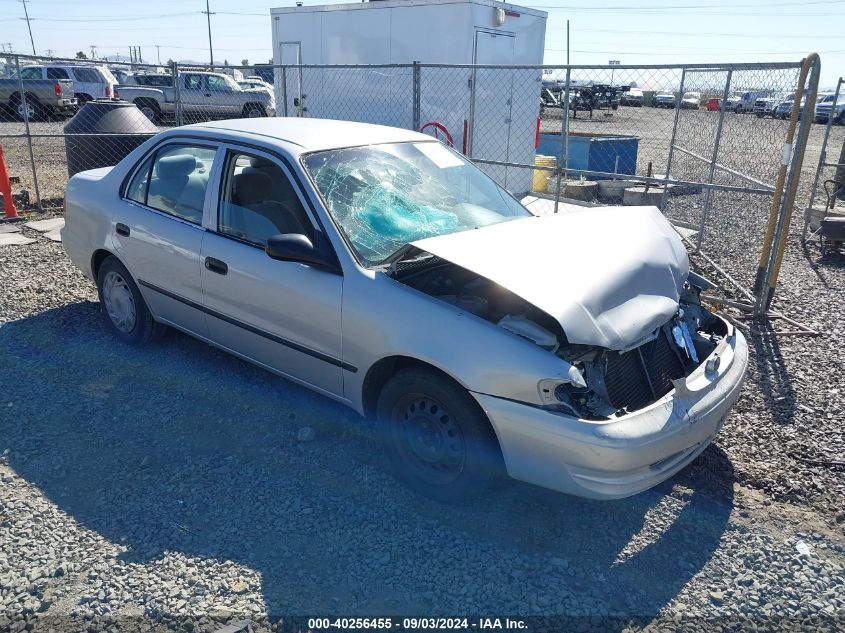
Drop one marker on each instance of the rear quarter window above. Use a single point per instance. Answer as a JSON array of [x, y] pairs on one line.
[[88, 75]]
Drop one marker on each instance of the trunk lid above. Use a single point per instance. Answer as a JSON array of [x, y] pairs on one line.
[[610, 276]]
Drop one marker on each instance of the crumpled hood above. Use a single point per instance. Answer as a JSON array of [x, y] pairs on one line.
[[610, 276]]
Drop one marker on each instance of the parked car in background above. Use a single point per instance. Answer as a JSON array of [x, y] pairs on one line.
[[691, 101], [384, 270], [784, 108], [767, 106], [89, 82], [202, 94], [663, 99], [733, 102], [44, 97], [826, 109], [120, 74], [714, 104], [256, 83], [633, 97], [748, 99]]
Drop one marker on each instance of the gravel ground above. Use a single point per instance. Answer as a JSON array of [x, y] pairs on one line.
[[166, 488]]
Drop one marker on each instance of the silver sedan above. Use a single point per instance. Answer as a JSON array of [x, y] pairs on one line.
[[384, 270]]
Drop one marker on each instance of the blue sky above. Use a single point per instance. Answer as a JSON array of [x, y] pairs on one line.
[[632, 31]]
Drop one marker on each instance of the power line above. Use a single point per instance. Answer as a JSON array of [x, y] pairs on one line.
[[686, 7], [709, 34]]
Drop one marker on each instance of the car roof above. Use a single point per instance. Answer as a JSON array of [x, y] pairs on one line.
[[301, 135]]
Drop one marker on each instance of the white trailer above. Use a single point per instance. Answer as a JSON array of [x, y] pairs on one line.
[[489, 113]]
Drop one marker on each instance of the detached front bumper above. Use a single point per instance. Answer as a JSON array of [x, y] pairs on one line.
[[621, 457]]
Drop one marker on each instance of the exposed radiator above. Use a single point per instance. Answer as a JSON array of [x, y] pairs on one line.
[[640, 376]]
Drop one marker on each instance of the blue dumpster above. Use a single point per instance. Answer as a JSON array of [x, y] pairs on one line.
[[595, 152]]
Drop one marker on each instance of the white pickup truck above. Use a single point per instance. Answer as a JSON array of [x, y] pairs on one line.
[[201, 95]]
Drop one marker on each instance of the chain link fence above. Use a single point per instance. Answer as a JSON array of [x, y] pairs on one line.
[[703, 142]]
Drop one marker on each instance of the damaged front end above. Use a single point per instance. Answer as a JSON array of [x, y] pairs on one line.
[[620, 382], [603, 383]]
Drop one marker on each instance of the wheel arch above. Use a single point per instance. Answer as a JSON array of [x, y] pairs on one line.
[[383, 369], [97, 259]]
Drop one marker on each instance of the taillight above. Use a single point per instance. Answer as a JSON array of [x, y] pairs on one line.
[[58, 89], [108, 91]]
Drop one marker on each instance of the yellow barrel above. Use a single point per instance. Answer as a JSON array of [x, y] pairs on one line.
[[541, 176]]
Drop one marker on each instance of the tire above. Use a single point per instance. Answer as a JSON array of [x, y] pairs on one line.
[[841, 119], [150, 109], [254, 111], [123, 308], [438, 440], [34, 109]]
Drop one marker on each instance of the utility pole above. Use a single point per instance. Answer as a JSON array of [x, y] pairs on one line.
[[210, 50], [29, 28], [158, 53], [613, 62], [567, 42], [93, 51], [49, 52]]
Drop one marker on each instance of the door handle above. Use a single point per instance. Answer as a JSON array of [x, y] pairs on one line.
[[122, 229], [216, 266]]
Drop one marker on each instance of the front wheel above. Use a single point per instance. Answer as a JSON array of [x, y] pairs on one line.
[[438, 440], [124, 310]]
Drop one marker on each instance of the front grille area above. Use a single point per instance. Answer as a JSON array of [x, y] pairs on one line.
[[640, 376]]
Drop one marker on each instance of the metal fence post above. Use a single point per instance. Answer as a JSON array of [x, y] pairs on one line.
[[672, 141], [471, 125], [417, 101], [822, 160], [705, 211], [25, 117], [767, 290], [285, 89], [563, 159], [177, 95]]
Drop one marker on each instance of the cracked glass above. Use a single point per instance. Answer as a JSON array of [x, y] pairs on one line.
[[385, 196]]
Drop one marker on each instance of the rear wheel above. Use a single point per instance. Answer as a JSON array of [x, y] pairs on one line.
[[254, 111], [150, 109], [31, 110], [438, 440], [124, 310]]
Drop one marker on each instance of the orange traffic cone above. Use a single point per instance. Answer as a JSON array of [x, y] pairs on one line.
[[6, 189]]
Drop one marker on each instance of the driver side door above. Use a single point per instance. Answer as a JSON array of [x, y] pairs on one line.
[[285, 316]]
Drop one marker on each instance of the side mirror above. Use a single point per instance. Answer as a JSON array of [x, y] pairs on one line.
[[295, 247]]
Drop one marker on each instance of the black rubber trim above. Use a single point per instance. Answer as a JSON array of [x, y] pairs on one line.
[[249, 328]]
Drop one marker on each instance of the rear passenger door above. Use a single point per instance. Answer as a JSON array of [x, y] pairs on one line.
[[282, 315], [158, 230]]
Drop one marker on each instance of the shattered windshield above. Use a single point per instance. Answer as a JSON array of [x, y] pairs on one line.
[[385, 196]]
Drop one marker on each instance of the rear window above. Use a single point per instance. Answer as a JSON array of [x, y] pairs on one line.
[[88, 75], [161, 81]]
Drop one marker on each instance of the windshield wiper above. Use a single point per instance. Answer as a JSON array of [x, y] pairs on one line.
[[405, 252]]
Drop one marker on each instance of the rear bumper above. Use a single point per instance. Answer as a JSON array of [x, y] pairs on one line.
[[66, 104], [619, 458]]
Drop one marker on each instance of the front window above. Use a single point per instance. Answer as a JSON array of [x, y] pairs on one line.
[[384, 196]]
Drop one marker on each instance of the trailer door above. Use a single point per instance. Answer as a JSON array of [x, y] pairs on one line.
[[491, 101], [292, 104]]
